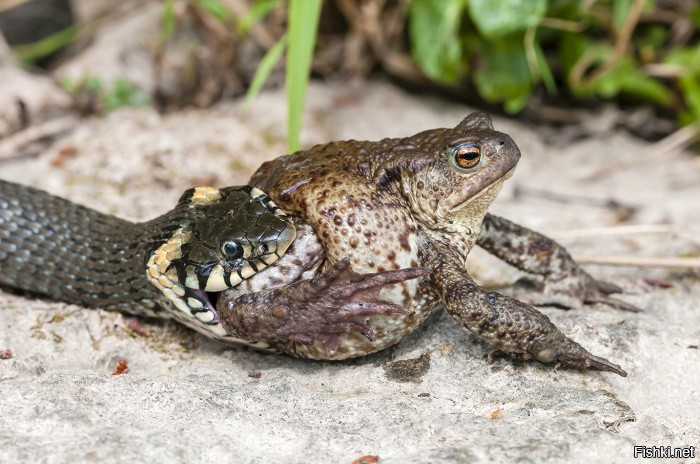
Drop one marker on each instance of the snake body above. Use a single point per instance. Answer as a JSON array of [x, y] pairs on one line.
[[212, 240]]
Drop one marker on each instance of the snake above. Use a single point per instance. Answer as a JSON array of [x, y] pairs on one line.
[[168, 267]]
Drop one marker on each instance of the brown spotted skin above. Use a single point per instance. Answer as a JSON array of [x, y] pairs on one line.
[[511, 326], [396, 204], [565, 284], [323, 309]]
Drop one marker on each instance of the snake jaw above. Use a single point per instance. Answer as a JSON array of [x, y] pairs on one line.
[[193, 302], [206, 312], [192, 263]]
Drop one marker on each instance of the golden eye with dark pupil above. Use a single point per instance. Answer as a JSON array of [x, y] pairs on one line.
[[467, 155]]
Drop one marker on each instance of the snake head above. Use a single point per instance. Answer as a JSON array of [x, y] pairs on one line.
[[228, 235], [232, 239]]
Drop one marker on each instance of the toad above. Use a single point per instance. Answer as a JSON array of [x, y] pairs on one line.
[[384, 230]]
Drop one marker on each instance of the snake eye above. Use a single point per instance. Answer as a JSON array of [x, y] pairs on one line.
[[232, 249], [262, 248], [466, 156]]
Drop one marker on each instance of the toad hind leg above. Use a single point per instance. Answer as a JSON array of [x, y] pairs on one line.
[[508, 324], [565, 284]]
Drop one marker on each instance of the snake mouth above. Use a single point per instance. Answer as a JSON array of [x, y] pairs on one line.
[[208, 300]]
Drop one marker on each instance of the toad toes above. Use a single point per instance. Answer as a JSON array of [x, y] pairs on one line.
[[384, 230]]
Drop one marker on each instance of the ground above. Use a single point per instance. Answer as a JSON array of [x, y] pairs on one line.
[[431, 399]]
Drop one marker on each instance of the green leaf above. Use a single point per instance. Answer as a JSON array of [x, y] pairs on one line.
[[93, 83], [621, 9], [435, 43], [688, 57], [626, 77], [544, 70], [68, 84], [571, 49], [267, 64], [125, 94], [694, 15], [647, 88], [655, 36], [690, 86], [506, 75], [500, 18], [167, 21], [214, 8], [516, 103], [258, 10], [689, 82], [303, 24]]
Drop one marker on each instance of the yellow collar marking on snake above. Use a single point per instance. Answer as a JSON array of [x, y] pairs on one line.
[[211, 240], [205, 195], [253, 243]]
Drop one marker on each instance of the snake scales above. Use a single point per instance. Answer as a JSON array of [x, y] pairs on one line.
[[210, 241]]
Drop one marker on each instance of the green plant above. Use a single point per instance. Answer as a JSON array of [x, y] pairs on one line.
[[509, 50], [605, 48], [298, 43], [122, 93], [28, 54], [303, 21], [610, 49]]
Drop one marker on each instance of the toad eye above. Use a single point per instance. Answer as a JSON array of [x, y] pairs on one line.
[[466, 156], [232, 250]]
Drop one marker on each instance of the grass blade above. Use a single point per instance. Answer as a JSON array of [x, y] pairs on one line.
[[258, 11], [303, 24], [267, 64], [36, 50]]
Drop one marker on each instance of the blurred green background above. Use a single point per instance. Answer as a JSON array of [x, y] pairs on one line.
[[515, 56]]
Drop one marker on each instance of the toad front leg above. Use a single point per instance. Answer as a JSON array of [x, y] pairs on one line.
[[322, 309], [565, 284], [508, 324]]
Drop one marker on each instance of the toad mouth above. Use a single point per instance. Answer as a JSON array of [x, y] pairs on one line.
[[497, 182]]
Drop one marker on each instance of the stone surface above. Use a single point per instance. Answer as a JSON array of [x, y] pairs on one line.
[[187, 399]]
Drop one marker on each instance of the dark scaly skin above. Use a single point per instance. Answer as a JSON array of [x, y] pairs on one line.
[[401, 203], [55, 248], [67, 252]]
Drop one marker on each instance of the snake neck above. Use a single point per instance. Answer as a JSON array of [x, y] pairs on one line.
[[212, 240], [50, 246]]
